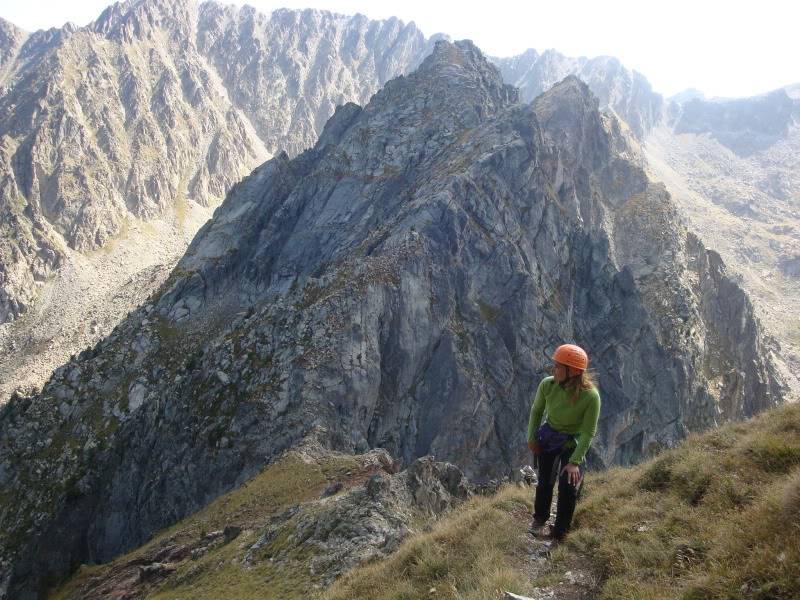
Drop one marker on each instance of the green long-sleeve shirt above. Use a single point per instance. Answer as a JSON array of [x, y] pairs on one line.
[[578, 419]]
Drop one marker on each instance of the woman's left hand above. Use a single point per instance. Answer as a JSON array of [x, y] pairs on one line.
[[573, 474]]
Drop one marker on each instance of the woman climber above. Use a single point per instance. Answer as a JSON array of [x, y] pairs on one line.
[[570, 405]]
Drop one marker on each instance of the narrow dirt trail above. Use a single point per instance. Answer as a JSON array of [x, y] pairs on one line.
[[555, 571]]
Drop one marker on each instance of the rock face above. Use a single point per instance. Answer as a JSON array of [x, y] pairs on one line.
[[402, 285], [627, 93]]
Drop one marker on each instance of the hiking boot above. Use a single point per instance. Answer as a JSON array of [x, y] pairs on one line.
[[538, 528], [552, 537], [548, 533]]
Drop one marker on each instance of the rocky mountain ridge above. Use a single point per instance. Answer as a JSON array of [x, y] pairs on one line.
[[282, 76], [729, 163], [257, 85], [97, 132], [401, 284], [626, 93]]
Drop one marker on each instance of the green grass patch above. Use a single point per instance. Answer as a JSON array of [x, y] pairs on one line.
[[716, 517], [470, 554]]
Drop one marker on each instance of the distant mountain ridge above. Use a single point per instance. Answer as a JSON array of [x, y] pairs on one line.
[[627, 93], [254, 84], [149, 115], [745, 125], [129, 116]]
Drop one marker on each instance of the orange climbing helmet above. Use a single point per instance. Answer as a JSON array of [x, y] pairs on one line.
[[572, 356]]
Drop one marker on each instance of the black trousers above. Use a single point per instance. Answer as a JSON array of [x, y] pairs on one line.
[[551, 466]]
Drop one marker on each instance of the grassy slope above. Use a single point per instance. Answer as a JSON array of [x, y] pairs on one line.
[[717, 517], [474, 553]]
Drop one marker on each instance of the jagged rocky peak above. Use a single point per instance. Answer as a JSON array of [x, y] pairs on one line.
[[453, 89], [515, 67], [9, 32], [404, 125], [141, 19], [627, 93], [40, 42], [565, 106], [289, 70], [464, 68], [371, 188]]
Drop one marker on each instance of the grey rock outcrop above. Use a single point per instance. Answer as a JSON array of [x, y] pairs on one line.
[[362, 524], [402, 285]]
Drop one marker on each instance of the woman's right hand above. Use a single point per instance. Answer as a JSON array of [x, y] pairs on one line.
[[535, 447]]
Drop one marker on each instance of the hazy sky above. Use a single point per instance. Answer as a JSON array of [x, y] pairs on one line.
[[722, 48]]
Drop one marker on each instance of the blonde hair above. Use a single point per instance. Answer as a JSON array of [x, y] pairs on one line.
[[586, 380]]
